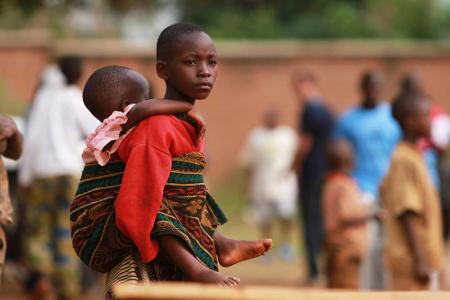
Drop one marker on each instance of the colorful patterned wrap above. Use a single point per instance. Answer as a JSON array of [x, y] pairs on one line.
[[95, 237], [187, 211]]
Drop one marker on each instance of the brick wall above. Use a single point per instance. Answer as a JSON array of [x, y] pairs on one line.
[[252, 76]]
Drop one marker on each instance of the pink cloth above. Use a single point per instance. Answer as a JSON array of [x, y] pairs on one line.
[[105, 133]]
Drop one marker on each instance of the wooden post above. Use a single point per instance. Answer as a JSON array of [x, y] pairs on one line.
[[189, 291]]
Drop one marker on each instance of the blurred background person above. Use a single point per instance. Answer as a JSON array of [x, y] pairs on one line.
[[263, 43], [271, 184], [414, 247], [11, 147], [345, 219], [315, 128], [434, 145], [57, 127], [373, 133], [444, 175], [15, 231]]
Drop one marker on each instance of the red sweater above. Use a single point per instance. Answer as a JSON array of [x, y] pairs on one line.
[[147, 153]]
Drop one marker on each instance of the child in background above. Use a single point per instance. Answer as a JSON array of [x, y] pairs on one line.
[[272, 185], [345, 218], [413, 226]]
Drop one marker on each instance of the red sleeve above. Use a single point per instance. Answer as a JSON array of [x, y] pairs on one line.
[[148, 165]]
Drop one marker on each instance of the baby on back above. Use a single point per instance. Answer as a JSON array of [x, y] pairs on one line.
[[117, 96]]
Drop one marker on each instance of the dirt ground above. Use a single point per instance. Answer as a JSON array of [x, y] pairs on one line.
[[266, 270]]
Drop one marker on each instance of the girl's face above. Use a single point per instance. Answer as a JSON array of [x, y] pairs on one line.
[[192, 69]]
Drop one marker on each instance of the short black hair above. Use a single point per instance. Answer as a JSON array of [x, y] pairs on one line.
[[71, 67], [172, 35], [108, 84], [410, 83], [337, 150], [406, 105], [368, 78]]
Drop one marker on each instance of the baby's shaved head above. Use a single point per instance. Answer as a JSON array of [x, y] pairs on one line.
[[108, 87]]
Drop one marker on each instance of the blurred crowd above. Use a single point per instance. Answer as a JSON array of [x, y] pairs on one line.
[[43, 184], [371, 186]]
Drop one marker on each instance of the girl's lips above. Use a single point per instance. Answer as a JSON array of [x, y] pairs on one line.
[[204, 86]]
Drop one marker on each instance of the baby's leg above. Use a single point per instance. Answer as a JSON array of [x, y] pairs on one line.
[[179, 254], [231, 251]]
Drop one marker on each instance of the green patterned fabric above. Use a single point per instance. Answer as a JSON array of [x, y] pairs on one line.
[[95, 237], [187, 211]]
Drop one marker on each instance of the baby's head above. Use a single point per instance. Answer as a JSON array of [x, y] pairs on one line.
[[112, 88], [340, 156], [187, 61]]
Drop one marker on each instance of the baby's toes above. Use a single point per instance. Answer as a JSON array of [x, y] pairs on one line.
[[232, 281]]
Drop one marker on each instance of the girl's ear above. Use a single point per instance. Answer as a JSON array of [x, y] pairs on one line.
[[125, 103], [161, 69]]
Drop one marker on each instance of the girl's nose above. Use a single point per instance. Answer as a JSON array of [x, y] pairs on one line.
[[204, 70]]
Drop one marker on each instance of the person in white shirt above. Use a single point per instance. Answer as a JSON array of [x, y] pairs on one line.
[[272, 185], [57, 127]]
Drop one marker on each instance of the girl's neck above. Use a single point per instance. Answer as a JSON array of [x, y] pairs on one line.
[[175, 95]]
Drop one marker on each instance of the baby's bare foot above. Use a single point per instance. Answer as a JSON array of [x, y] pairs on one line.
[[231, 251], [209, 276], [231, 281]]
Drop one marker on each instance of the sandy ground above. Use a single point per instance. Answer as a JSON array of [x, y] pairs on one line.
[[270, 271], [267, 270]]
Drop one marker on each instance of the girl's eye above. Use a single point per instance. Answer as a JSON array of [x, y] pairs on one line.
[[191, 62], [212, 62]]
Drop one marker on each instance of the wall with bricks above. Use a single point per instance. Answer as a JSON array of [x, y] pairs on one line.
[[252, 77]]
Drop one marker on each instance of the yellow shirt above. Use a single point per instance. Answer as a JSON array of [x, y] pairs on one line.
[[407, 187]]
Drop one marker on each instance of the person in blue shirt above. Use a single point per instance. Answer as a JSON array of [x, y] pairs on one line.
[[374, 133]]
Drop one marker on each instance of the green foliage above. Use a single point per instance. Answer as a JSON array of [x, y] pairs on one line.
[[266, 19], [416, 19], [441, 19], [403, 18]]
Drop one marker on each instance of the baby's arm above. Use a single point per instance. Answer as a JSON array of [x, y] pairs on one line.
[[148, 108]]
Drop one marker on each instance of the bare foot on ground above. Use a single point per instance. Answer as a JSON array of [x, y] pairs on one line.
[[231, 251]]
